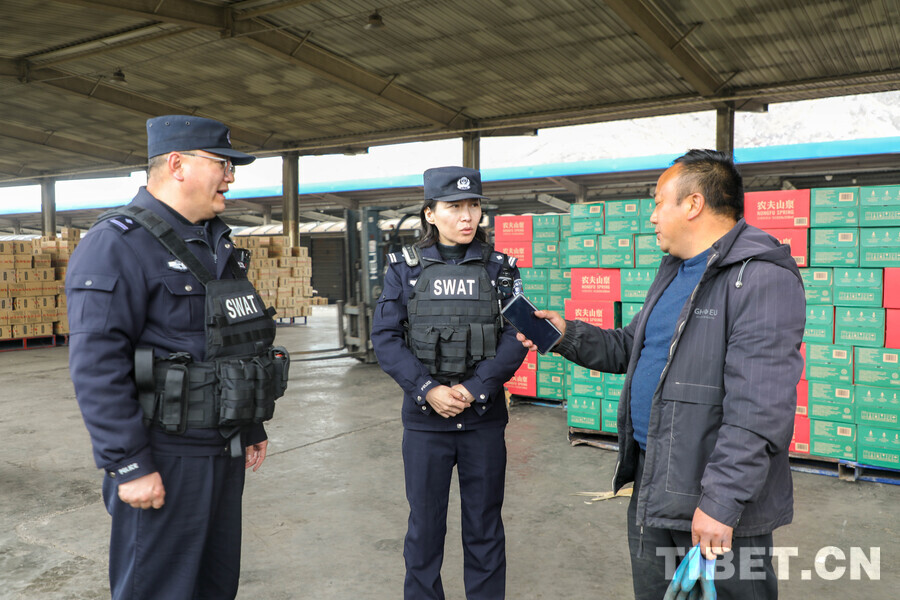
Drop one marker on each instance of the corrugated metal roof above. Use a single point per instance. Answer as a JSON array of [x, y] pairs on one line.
[[307, 76]]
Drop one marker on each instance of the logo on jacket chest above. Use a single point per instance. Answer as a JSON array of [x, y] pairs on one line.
[[455, 287], [242, 308], [706, 313]]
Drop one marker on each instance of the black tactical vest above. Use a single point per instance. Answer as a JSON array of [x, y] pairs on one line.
[[243, 374], [454, 318]]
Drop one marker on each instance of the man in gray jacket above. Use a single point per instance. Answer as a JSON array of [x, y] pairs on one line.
[[712, 363]]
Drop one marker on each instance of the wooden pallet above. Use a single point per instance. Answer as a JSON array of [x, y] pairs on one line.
[[34, 343], [549, 402], [591, 437]]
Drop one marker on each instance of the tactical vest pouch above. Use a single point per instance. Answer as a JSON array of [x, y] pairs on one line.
[[248, 387]]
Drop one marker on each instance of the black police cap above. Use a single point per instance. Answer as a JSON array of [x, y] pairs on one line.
[[447, 184], [179, 133]]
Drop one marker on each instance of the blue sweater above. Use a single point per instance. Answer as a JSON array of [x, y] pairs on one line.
[[658, 337]]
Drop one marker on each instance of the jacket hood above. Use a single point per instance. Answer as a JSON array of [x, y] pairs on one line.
[[745, 242]]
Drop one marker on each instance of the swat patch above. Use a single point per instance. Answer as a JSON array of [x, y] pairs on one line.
[[243, 307], [457, 288]]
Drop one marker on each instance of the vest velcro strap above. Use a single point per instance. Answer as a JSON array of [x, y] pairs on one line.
[[173, 412], [477, 337], [490, 341]]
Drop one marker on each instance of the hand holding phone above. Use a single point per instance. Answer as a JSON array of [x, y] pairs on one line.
[[541, 332]]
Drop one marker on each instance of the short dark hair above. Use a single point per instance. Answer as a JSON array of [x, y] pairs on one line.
[[714, 175], [430, 233], [156, 162]]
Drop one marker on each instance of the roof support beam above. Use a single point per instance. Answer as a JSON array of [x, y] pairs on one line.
[[140, 35], [246, 9], [51, 139], [95, 89], [282, 45], [579, 190], [311, 57], [349, 203], [653, 31]]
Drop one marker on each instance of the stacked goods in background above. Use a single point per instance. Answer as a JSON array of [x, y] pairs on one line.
[[32, 295], [281, 274], [848, 406], [596, 265]]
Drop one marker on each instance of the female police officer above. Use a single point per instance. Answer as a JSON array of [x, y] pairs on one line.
[[437, 331]]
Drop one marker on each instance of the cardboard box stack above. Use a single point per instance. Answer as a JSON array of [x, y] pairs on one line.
[[281, 274], [848, 405], [32, 276], [594, 264]]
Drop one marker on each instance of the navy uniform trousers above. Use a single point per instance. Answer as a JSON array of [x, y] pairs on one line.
[[165, 553], [480, 459]]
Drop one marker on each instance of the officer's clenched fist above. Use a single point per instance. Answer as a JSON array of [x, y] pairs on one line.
[[143, 492]]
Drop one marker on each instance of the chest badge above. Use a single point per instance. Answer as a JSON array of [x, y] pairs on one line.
[[177, 265]]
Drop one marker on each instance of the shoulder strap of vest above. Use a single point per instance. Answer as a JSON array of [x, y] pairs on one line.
[[411, 255], [166, 236]]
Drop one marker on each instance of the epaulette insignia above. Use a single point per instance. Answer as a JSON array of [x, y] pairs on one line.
[[123, 224]]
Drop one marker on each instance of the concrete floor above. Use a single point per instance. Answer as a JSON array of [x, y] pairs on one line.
[[326, 515]]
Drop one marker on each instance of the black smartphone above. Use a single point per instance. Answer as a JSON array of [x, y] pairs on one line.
[[520, 313]]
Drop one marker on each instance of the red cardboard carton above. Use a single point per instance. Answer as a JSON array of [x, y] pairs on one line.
[[523, 382], [596, 284], [891, 287], [800, 439], [779, 209], [521, 250], [892, 328], [596, 312], [803, 398], [798, 240], [515, 228]]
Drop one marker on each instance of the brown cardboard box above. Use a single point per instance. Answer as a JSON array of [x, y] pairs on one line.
[[33, 288], [7, 262], [42, 260], [61, 327], [15, 288], [4, 290], [6, 303], [70, 233], [20, 247], [23, 262], [23, 275], [6, 332], [6, 248], [42, 329]]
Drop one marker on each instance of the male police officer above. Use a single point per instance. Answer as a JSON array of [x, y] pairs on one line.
[[162, 371]]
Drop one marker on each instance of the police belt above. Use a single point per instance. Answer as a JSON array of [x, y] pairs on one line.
[[177, 393]]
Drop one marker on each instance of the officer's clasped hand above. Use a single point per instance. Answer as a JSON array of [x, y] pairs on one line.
[[448, 402], [694, 578]]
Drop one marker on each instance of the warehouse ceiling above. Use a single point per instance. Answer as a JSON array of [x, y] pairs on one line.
[[78, 78]]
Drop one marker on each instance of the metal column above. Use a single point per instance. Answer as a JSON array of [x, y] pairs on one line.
[[48, 207], [472, 150], [290, 180], [725, 130]]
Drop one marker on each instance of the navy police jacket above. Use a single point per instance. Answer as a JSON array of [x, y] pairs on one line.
[[125, 291], [398, 361]]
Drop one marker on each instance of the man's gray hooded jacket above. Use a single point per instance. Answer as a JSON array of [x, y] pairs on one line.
[[723, 412]]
